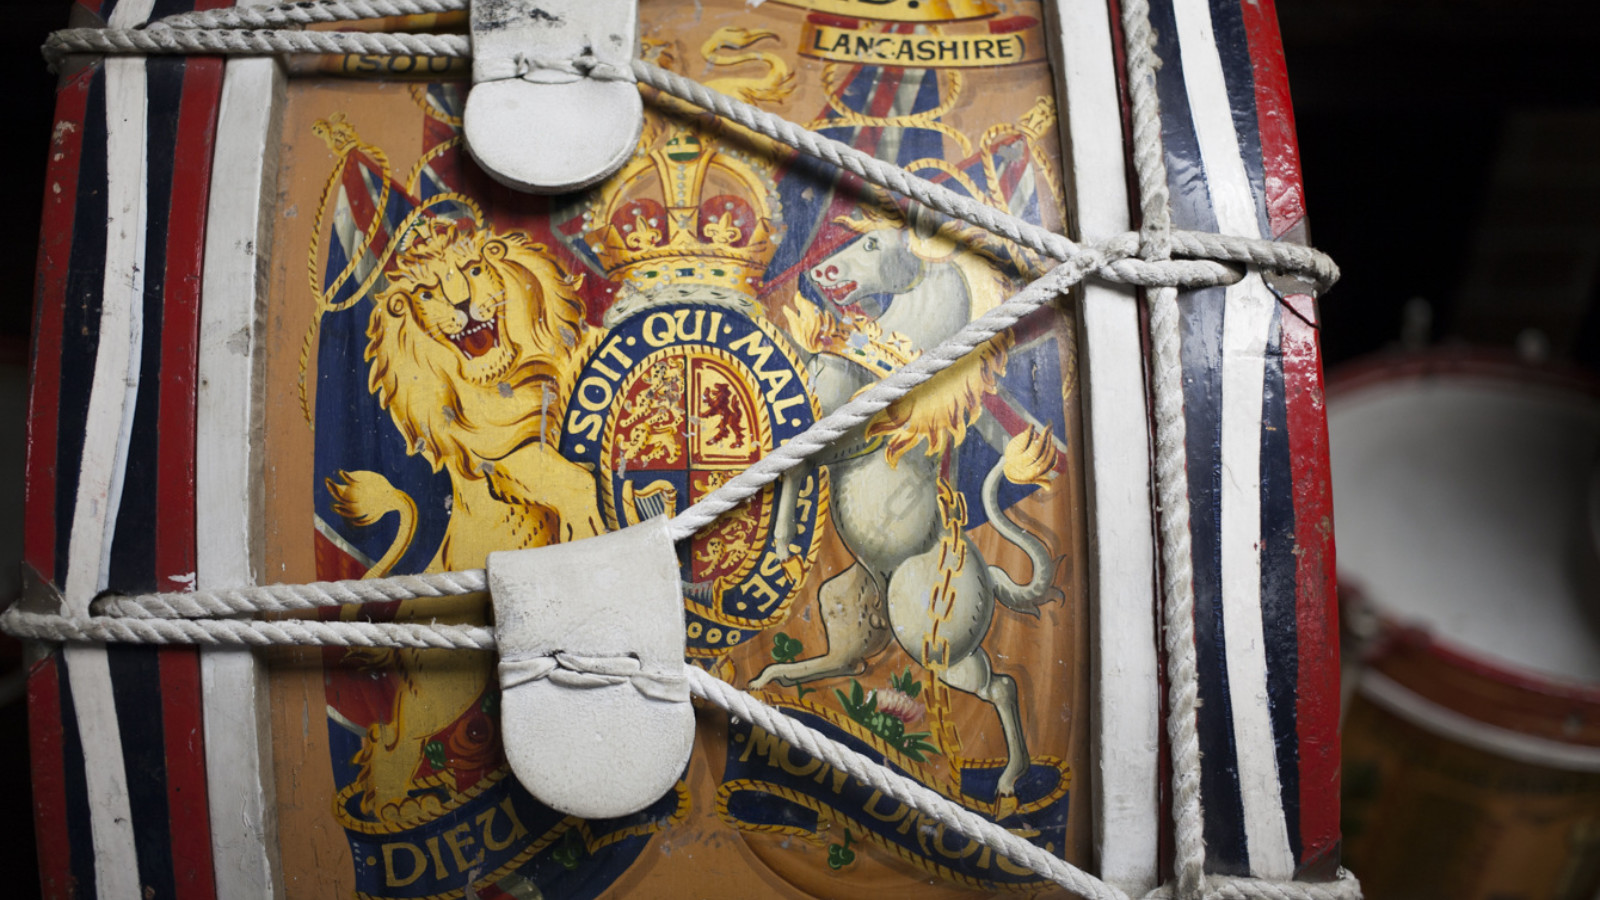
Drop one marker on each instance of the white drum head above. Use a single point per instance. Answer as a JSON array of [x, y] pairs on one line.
[[1462, 504]]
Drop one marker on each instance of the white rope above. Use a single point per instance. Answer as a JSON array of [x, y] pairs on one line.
[[875, 398], [232, 42], [303, 13], [864, 165], [293, 597], [248, 632], [1177, 582], [582, 66], [288, 597], [1171, 460], [591, 672], [906, 790], [179, 34], [1315, 266], [1144, 259], [276, 598], [1227, 887], [577, 671]]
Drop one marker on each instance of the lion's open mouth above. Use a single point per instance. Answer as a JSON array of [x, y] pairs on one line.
[[838, 292], [477, 338]]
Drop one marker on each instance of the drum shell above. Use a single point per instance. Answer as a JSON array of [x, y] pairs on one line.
[[180, 478], [1466, 774], [1436, 801]]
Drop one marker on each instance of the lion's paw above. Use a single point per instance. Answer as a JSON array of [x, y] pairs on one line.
[[1031, 457]]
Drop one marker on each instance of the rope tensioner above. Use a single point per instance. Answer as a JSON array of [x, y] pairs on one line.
[[523, 60]]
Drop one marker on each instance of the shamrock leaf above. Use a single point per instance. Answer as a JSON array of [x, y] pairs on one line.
[[785, 648], [434, 751], [840, 855], [570, 851]]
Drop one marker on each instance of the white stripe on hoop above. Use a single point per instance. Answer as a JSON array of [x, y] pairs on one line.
[[1246, 327], [107, 432], [1126, 694], [233, 684]]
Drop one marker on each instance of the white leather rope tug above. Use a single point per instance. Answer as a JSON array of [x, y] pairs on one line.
[[1158, 257], [605, 663], [568, 62]]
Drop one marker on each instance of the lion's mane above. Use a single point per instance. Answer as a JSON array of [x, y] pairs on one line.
[[418, 378], [941, 409]]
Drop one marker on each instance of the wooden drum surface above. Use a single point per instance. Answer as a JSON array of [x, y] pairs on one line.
[[289, 330]]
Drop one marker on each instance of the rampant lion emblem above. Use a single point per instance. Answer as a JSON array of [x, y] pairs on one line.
[[718, 402], [472, 347]]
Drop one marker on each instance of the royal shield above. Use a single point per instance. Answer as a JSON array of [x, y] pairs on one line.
[[677, 400]]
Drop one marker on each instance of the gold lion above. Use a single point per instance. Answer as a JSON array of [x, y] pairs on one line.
[[474, 345]]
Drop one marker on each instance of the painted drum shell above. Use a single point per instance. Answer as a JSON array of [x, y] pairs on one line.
[[221, 518]]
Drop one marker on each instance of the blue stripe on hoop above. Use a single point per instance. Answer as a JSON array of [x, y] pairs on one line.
[[133, 547], [1238, 72], [1278, 565], [1202, 310], [1278, 597], [136, 690], [80, 836], [80, 327], [135, 671], [164, 8]]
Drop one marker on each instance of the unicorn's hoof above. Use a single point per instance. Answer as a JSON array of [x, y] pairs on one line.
[[1005, 805]]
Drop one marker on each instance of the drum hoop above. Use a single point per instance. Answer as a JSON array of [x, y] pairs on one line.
[[1394, 697], [1456, 364], [1414, 635]]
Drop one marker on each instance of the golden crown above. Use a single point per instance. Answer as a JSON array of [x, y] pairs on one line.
[[688, 212]]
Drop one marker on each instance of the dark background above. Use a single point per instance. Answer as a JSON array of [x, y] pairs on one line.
[[1451, 154]]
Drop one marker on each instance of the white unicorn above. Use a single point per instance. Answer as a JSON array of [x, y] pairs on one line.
[[888, 506]]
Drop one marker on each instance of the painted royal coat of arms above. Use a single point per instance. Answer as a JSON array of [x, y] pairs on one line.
[[479, 370]]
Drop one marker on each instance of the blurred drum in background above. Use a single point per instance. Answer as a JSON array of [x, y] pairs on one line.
[[1465, 497]]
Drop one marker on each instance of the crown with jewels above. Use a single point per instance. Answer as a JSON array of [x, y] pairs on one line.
[[689, 212]]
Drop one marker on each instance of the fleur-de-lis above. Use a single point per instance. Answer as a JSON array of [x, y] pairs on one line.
[[644, 235], [721, 230]]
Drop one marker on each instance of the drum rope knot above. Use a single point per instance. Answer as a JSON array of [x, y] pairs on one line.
[[573, 670]]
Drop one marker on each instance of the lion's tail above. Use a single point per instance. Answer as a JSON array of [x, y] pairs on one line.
[[1029, 459], [365, 497]]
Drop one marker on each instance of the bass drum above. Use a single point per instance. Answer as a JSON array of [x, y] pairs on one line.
[[1469, 574]]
